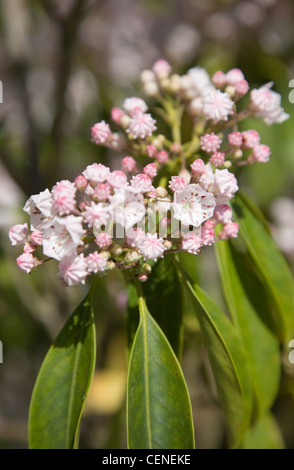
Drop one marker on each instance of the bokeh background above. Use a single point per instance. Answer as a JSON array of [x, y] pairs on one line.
[[63, 66]]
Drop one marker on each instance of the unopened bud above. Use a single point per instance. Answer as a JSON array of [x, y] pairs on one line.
[[116, 250], [161, 192], [227, 164], [146, 268], [230, 89], [168, 245], [143, 278], [110, 265], [237, 154], [132, 256]]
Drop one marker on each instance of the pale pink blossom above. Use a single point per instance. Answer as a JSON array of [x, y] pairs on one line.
[[197, 167], [177, 183], [192, 242], [129, 164], [62, 236], [235, 139], [161, 68], [101, 132], [234, 76], [250, 138], [103, 240], [217, 106], [230, 230], [141, 183], [102, 191], [217, 158], [18, 234], [135, 237], [81, 182], [225, 185], [261, 154], [73, 270], [152, 247], [40, 208], [63, 194], [135, 105], [223, 214], [96, 173], [241, 88], [150, 170], [219, 79], [266, 104], [26, 262], [117, 179], [207, 232], [162, 156], [210, 142], [96, 215], [196, 82], [192, 205], [141, 125], [151, 150], [143, 277], [222, 183], [96, 262], [36, 237]]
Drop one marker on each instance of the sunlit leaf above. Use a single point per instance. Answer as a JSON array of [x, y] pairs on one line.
[[159, 414]]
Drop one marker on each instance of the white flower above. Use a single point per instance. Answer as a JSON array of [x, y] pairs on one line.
[[134, 105], [193, 205], [62, 236], [141, 125], [152, 247], [40, 208]]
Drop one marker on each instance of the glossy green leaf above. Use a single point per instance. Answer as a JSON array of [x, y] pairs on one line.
[[265, 434], [63, 383], [159, 414], [271, 266], [262, 346], [228, 362], [164, 293]]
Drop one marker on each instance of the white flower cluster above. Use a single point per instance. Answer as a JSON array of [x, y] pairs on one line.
[[145, 210]]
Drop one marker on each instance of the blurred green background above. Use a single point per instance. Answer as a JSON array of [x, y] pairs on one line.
[[63, 66]]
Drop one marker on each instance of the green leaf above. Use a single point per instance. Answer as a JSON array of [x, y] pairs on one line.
[[228, 362], [63, 382], [271, 267], [265, 434], [159, 414], [133, 317], [262, 346], [164, 293]]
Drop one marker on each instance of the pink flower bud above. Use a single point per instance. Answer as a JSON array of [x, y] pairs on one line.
[[241, 88], [36, 237], [210, 142], [150, 170], [26, 262], [197, 167], [162, 156], [151, 150], [261, 154], [100, 132], [219, 79], [161, 69], [116, 115], [177, 183], [103, 240], [250, 138], [217, 158], [128, 164], [235, 139], [230, 230], [117, 179], [81, 182]]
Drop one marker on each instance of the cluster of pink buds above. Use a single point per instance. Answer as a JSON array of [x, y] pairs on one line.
[[168, 195]]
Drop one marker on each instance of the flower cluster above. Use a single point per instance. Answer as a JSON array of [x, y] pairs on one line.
[[168, 195]]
